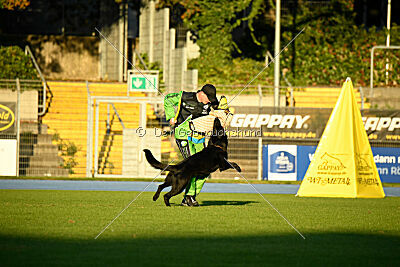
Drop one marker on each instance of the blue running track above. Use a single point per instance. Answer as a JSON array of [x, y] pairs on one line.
[[139, 186]]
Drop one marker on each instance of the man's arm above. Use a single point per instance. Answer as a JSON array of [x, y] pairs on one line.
[[170, 102]]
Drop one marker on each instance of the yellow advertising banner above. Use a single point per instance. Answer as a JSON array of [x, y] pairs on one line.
[[7, 118], [343, 164]]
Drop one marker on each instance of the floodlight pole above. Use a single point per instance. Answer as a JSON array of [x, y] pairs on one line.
[[389, 9], [18, 123], [277, 49]]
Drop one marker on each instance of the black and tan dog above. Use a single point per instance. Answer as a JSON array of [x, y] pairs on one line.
[[211, 158]]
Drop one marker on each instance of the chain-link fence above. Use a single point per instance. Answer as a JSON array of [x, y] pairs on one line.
[[95, 129], [20, 100]]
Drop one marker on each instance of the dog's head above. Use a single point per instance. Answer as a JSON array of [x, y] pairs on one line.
[[218, 136]]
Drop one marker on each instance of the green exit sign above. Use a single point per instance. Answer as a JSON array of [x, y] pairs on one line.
[[138, 83], [143, 82]]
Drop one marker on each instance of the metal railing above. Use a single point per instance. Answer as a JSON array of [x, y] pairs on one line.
[[41, 106], [116, 113], [289, 91], [246, 151], [371, 81]]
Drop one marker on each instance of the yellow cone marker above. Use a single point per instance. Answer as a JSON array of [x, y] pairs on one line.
[[343, 164]]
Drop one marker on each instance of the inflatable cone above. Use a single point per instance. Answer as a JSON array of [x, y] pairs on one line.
[[343, 164]]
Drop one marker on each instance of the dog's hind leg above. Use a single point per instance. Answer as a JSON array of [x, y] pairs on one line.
[[166, 183], [160, 188], [177, 188]]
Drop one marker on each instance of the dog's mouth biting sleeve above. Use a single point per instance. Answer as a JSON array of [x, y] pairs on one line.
[[205, 124]]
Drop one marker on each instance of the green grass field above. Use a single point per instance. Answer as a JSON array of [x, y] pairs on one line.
[[58, 228]]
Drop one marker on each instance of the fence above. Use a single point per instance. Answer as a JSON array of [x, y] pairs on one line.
[[259, 137], [21, 101], [130, 158], [94, 129]]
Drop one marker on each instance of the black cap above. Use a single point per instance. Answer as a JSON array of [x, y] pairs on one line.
[[211, 93]]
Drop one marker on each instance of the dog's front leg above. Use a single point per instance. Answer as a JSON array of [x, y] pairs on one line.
[[235, 166], [224, 164]]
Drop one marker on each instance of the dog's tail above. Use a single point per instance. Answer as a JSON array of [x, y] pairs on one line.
[[155, 163]]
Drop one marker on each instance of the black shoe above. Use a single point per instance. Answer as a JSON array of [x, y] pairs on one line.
[[186, 202], [194, 201]]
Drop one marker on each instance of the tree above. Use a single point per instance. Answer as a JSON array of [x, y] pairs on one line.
[[14, 4], [331, 48], [213, 23]]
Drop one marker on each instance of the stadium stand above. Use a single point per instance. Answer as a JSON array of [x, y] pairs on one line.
[[319, 97], [67, 118]]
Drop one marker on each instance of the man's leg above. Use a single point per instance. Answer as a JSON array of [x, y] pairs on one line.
[[196, 183], [195, 186], [184, 148]]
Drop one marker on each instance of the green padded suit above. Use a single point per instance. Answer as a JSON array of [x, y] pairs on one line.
[[187, 108]]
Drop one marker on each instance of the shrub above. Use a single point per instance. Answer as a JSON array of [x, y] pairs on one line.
[[15, 64]]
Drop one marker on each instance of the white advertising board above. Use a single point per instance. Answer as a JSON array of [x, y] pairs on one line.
[[282, 162], [8, 157]]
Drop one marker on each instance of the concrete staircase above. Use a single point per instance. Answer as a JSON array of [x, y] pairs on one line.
[[38, 155]]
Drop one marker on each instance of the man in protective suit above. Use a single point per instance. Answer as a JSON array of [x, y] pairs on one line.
[[180, 109]]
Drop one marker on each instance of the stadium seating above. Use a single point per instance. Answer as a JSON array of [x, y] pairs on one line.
[[319, 97], [67, 117]]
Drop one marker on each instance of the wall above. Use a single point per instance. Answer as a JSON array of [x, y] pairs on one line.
[[158, 41], [383, 98], [66, 57], [29, 103], [113, 27]]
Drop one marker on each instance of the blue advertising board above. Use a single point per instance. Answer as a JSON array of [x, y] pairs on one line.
[[304, 156], [387, 161]]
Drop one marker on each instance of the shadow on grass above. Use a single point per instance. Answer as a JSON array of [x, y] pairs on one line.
[[207, 203], [330, 249], [226, 203]]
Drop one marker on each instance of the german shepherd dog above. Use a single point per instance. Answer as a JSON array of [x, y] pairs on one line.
[[203, 163]]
